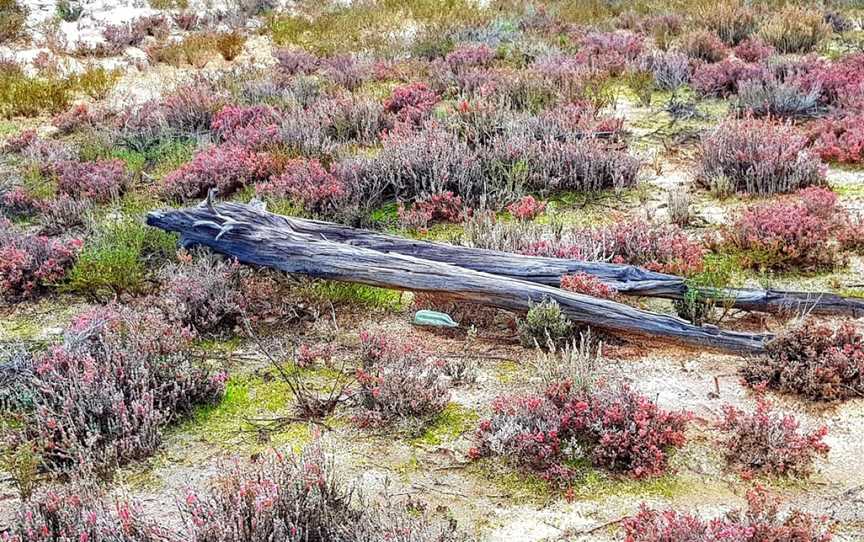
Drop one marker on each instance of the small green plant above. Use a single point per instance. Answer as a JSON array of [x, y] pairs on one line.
[[705, 291], [641, 83], [21, 462], [118, 256], [195, 49], [97, 81], [68, 11], [544, 324]]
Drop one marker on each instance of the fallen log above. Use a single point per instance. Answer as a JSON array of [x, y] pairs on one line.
[[260, 239], [626, 279]]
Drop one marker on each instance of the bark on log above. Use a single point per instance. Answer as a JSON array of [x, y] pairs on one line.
[[626, 279], [261, 239]]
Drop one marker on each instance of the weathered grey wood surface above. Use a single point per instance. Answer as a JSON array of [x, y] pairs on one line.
[[269, 240], [626, 279]]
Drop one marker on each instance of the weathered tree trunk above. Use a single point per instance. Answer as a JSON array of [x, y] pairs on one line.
[[626, 279], [270, 241]]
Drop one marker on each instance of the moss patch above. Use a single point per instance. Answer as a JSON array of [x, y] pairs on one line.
[[247, 397], [453, 421]]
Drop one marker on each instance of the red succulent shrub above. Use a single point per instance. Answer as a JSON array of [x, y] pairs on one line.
[[723, 78], [232, 121], [226, 167], [817, 360], [469, 55], [30, 263], [614, 426], [308, 183], [441, 207], [768, 442], [583, 283], [761, 521], [808, 231], [527, 208], [99, 181], [754, 50], [839, 139], [397, 380], [759, 157], [412, 103]]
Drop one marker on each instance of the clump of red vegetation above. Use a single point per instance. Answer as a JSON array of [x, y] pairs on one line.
[[527, 208], [768, 442], [760, 522], [308, 183], [442, 207], [817, 360], [398, 380], [808, 231], [615, 427], [31, 263], [584, 283]]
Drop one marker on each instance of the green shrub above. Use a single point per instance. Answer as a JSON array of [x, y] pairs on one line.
[[97, 81], [68, 12], [795, 29], [229, 44], [544, 324], [23, 96], [118, 256]]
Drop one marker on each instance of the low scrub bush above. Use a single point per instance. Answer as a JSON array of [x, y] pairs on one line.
[[671, 69], [194, 49], [795, 29], [808, 231], [25, 96], [226, 167], [759, 522], [104, 394], [116, 259], [79, 512], [725, 77], [352, 119], [768, 442], [703, 45], [99, 181], [469, 55], [230, 44], [731, 20], [526, 208], [839, 139], [397, 381], [285, 497], [232, 121], [308, 183], [820, 361], [754, 50], [583, 283], [29, 263], [759, 157], [776, 98], [97, 81], [61, 214], [543, 324], [13, 21], [614, 427], [443, 207], [188, 110], [203, 293]]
